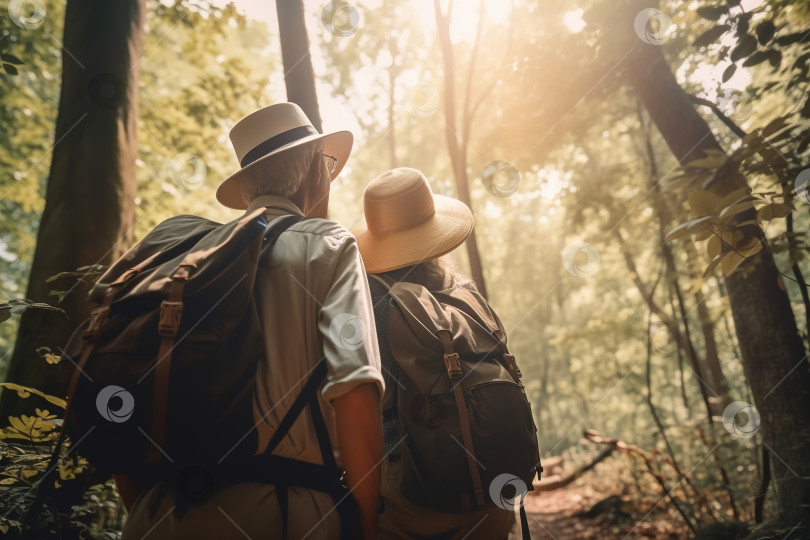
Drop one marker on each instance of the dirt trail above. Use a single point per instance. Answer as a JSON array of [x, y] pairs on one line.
[[559, 515]]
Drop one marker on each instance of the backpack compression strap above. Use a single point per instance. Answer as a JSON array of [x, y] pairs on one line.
[[324, 477], [453, 365]]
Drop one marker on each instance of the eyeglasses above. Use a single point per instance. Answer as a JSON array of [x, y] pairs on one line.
[[331, 163]]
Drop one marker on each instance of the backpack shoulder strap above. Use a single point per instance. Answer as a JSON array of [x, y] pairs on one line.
[[278, 226]]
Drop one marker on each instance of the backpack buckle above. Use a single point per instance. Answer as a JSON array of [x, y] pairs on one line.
[[511, 365], [170, 313], [453, 364], [98, 318]]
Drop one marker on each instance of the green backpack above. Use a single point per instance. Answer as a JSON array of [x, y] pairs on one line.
[[462, 412]]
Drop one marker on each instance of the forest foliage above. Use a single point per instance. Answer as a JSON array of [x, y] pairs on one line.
[[603, 256]]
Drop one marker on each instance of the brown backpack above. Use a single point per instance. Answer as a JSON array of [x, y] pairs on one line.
[[165, 368], [465, 422]]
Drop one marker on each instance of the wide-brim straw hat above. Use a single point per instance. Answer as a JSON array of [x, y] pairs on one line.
[[268, 132], [404, 223]]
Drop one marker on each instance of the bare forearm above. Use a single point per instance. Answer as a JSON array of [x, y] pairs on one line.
[[359, 428]]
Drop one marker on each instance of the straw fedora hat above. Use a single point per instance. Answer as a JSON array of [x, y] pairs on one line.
[[404, 223], [270, 131]]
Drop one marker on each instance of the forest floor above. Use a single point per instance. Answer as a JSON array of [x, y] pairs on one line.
[[561, 515]]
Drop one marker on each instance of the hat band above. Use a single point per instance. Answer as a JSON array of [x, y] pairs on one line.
[[277, 141]]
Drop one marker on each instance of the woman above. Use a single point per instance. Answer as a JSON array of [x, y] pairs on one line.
[[405, 236]]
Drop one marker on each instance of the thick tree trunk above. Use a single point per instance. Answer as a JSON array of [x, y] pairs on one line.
[[298, 75], [89, 204], [773, 355]]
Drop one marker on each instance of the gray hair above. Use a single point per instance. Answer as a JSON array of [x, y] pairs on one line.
[[282, 175]]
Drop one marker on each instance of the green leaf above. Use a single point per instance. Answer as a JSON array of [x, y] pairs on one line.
[[711, 35], [775, 58], [791, 39], [712, 13], [11, 70], [746, 46], [756, 58], [729, 72], [774, 126], [10, 58], [765, 31]]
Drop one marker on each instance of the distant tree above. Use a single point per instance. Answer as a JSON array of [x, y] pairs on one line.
[[298, 75], [459, 115]]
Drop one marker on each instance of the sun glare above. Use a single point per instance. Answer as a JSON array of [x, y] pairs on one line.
[[464, 23], [573, 20]]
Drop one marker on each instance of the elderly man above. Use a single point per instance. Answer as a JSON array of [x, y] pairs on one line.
[[314, 304]]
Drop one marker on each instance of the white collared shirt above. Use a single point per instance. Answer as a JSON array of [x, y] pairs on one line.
[[314, 302]]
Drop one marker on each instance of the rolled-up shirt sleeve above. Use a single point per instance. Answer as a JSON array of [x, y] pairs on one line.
[[346, 324]]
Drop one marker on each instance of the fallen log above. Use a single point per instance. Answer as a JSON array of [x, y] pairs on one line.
[[558, 481]]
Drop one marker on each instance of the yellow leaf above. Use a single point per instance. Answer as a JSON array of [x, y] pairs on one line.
[[733, 197], [713, 247], [712, 159], [704, 234], [28, 391], [750, 248], [711, 267], [688, 228], [772, 211], [730, 262], [703, 203]]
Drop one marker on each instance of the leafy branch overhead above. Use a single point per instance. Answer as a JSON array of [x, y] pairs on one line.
[[719, 217]]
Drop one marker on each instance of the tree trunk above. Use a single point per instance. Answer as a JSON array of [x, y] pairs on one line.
[[89, 204], [392, 141], [773, 355], [711, 356], [457, 145], [298, 75]]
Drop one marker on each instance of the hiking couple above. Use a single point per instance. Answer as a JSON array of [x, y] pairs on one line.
[[309, 381]]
